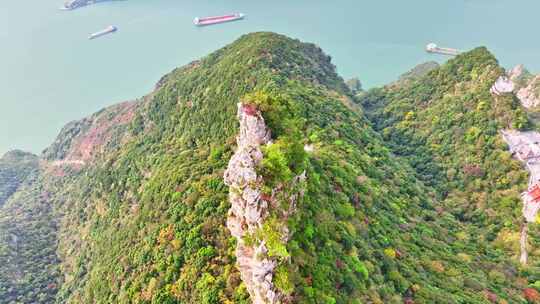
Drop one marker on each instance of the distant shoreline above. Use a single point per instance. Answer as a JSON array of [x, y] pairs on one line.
[[75, 4]]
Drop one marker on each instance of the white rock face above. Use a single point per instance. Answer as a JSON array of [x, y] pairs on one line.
[[526, 87], [527, 95], [248, 210], [530, 207], [525, 146], [503, 85]]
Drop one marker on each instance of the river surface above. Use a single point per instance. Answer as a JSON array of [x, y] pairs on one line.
[[51, 74]]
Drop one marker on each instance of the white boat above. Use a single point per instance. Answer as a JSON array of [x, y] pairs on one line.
[[108, 30]]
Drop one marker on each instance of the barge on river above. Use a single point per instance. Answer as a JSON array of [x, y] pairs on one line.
[[218, 19]]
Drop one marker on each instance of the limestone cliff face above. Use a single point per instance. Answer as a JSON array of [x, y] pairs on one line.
[[502, 86], [523, 145], [248, 210], [527, 86], [250, 207], [529, 95]]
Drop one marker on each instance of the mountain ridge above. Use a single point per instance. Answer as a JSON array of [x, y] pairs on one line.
[[144, 204]]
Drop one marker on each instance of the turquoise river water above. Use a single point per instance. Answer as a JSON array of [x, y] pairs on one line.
[[50, 73]]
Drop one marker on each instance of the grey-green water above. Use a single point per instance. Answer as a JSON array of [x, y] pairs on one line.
[[51, 74]]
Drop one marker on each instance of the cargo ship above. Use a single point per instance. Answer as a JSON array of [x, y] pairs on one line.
[[108, 30], [218, 19]]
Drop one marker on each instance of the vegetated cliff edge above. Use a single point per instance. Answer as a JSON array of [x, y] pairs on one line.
[[142, 193], [15, 167], [27, 233]]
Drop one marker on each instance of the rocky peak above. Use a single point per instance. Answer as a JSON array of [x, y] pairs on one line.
[[516, 72], [248, 210], [525, 85], [530, 94], [250, 207]]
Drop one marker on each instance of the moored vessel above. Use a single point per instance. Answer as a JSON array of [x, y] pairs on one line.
[[108, 30], [433, 48]]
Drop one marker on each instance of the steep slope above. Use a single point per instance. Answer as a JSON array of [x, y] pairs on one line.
[[156, 208], [417, 72], [448, 125], [15, 166], [250, 176], [27, 233], [527, 86], [162, 196]]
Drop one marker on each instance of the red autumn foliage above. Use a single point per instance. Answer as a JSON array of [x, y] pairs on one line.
[[535, 192], [356, 200], [408, 301], [86, 145], [531, 295], [490, 296], [309, 280], [473, 170], [250, 109], [340, 264], [266, 197]]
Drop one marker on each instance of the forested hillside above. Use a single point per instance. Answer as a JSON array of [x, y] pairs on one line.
[[447, 125], [408, 202], [15, 166], [27, 233]]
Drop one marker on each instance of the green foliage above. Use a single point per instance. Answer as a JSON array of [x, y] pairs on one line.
[[383, 217], [453, 143], [275, 165], [15, 167], [28, 260], [282, 281], [155, 206], [273, 235]]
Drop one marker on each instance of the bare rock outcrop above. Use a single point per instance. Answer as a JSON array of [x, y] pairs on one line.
[[525, 85], [503, 85], [530, 95], [516, 72], [248, 209], [251, 208], [525, 147]]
